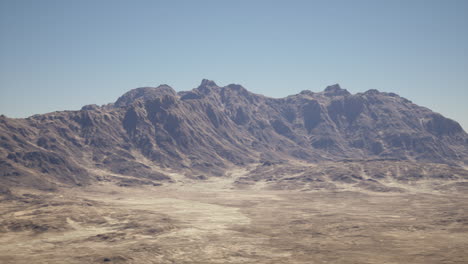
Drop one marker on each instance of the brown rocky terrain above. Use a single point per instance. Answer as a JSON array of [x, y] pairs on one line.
[[210, 128], [223, 175]]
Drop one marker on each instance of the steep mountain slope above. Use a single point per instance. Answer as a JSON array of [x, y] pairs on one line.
[[211, 128]]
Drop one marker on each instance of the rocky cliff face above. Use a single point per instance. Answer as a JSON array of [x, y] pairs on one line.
[[211, 128]]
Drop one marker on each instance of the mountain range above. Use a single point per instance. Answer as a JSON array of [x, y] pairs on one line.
[[203, 132]]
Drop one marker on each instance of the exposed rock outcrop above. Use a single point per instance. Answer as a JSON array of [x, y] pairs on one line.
[[211, 128]]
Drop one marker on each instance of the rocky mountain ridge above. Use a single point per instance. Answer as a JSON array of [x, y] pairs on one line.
[[211, 128]]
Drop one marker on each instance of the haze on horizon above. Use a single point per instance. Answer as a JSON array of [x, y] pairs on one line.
[[57, 55]]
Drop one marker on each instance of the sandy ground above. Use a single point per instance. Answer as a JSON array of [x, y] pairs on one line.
[[213, 221]]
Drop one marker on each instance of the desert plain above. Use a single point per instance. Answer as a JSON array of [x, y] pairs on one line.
[[228, 220]]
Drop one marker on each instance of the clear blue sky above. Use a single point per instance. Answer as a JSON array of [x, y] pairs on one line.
[[57, 55]]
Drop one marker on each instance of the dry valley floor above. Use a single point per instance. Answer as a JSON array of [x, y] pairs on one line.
[[217, 221]]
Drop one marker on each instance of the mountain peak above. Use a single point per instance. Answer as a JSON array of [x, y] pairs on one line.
[[237, 87], [144, 92], [206, 86], [208, 83], [335, 89], [372, 91]]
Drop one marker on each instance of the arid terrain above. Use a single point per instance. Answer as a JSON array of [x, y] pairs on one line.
[[333, 132], [223, 175], [222, 220]]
